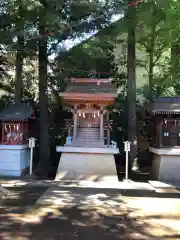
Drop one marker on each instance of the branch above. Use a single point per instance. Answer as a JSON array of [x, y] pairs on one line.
[[147, 70], [159, 55], [68, 31], [5, 87], [144, 45], [63, 36]]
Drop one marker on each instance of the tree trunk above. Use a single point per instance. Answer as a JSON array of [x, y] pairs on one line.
[[151, 68], [131, 94], [175, 53], [173, 62], [19, 69], [19, 55], [44, 151], [151, 55]]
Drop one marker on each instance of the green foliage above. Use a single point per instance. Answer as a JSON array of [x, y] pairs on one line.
[[93, 55], [68, 20], [63, 20], [158, 24], [157, 32]]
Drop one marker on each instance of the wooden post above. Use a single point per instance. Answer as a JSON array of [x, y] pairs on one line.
[[69, 130], [108, 136], [75, 122], [159, 133], [108, 130], [107, 116], [101, 124], [3, 138]]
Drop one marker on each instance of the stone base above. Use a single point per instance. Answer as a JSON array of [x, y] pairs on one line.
[[166, 164], [14, 160], [86, 166]]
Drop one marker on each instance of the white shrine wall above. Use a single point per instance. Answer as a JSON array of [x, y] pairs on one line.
[[14, 160]]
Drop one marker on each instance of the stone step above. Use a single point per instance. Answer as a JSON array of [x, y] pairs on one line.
[[89, 131], [79, 130], [81, 142], [88, 145], [88, 135], [86, 126], [85, 142]]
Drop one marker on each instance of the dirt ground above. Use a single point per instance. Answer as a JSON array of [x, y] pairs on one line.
[[90, 214]]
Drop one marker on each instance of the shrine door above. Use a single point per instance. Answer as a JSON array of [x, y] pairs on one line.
[[89, 121], [171, 133]]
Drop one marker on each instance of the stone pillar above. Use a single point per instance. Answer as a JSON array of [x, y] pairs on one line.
[[101, 124], [75, 122]]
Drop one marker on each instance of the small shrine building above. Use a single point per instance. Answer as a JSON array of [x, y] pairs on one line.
[[89, 152], [16, 123], [165, 138]]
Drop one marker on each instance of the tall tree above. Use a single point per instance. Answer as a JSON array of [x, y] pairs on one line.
[[19, 69], [44, 151], [131, 83], [154, 37], [151, 51]]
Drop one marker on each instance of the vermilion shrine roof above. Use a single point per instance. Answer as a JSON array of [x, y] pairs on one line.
[[84, 87], [91, 88], [16, 112]]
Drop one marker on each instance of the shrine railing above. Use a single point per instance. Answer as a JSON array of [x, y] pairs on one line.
[[108, 124], [68, 124]]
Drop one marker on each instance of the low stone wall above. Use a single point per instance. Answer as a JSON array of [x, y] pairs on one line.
[[166, 164]]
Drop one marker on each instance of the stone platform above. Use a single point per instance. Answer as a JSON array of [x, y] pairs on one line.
[[166, 164], [86, 163], [14, 160]]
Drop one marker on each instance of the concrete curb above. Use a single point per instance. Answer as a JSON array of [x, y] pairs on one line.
[[122, 186], [165, 185]]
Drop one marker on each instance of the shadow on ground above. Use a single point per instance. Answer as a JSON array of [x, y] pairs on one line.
[[74, 223], [77, 213], [17, 202]]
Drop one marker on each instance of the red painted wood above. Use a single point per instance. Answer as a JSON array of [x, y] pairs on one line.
[[16, 133]]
